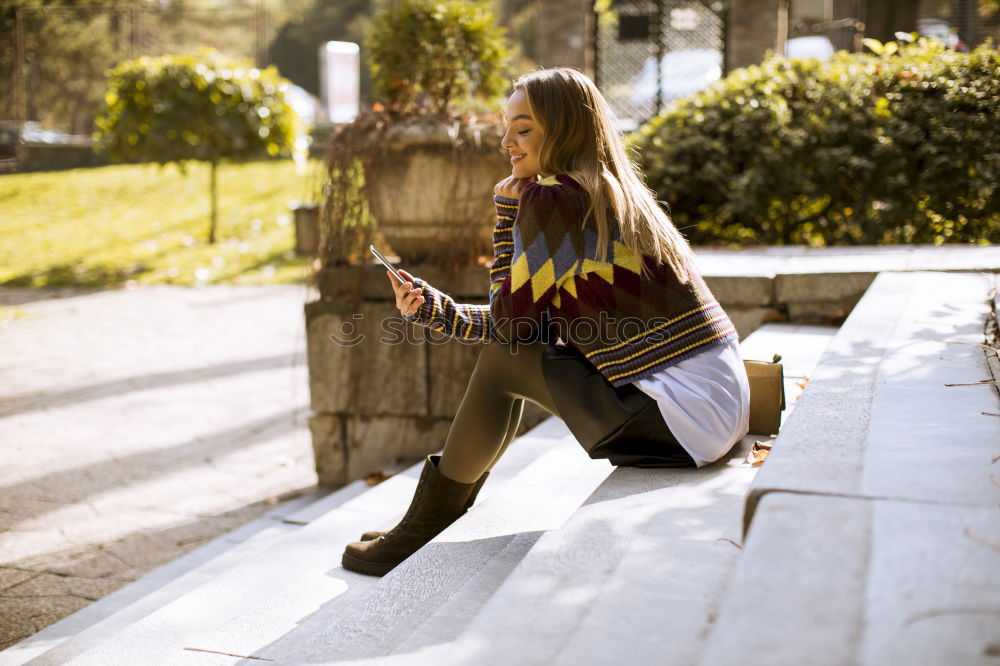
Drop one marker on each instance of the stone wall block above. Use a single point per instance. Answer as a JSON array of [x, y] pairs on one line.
[[329, 363], [371, 282], [329, 448], [741, 290], [819, 287], [390, 364], [749, 319], [831, 313], [376, 442]]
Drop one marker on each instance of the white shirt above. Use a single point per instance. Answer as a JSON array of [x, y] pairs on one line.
[[705, 400]]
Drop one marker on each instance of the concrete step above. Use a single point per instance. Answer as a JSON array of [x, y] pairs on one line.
[[754, 284], [835, 580], [62, 640], [499, 568], [623, 564], [457, 571], [632, 577], [873, 525], [879, 419], [267, 593]]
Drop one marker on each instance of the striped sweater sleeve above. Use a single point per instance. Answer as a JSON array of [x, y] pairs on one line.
[[466, 321]]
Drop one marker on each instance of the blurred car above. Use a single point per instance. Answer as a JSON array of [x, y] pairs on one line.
[[305, 104], [682, 73], [689, 71], [939, 29]]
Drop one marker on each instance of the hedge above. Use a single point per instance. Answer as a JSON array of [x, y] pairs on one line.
[[895, 146]]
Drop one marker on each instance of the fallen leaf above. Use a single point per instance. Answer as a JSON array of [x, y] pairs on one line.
[[377, 477], [758, 452]]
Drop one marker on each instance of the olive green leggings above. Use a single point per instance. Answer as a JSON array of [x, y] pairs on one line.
[[506, 374]]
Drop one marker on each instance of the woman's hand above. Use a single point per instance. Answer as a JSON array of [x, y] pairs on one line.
[[511, 187], [407, 298]]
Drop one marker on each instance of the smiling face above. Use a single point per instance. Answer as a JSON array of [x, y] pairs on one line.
[[523, 137]]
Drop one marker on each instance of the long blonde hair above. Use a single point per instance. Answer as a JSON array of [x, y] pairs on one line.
[[579, 138]]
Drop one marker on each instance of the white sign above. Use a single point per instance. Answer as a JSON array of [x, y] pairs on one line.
[[340, 80]]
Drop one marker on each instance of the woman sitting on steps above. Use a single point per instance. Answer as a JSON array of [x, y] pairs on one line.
[[635, 355]]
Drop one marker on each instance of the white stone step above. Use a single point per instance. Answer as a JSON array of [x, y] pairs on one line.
[[832, 580], [633, 576], [60, 641], [876, 522], [455, 573], [421, 612], [286, 582], [878, 419], [310, 512]]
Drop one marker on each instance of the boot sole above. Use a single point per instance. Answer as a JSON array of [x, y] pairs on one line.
[[365, 567]]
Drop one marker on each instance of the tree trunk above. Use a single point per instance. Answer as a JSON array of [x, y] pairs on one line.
[[214, 194]]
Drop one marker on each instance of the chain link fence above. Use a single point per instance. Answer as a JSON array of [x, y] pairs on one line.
[[649, 53]]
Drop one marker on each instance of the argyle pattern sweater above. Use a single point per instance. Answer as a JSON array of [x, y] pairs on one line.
[[546, 281]]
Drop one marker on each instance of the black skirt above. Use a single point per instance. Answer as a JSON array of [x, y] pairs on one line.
[[621, 424]]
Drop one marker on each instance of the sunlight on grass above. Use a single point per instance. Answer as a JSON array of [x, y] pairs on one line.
[[147, 223]]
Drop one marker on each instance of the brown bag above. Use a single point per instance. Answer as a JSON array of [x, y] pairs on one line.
[[767, 395]]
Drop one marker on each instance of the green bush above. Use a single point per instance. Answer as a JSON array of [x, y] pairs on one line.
[[426, 53], [209, 108], [896, 146], [174, 108]]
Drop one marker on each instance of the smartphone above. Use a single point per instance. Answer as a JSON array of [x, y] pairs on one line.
[[385, 261]]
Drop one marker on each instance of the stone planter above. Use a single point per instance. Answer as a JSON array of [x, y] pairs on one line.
[[431, 189], [384, 390]]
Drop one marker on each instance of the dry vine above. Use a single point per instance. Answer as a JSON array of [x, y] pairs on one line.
[[354, 152]]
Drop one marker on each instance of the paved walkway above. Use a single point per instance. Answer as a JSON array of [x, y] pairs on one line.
[[136, 425]]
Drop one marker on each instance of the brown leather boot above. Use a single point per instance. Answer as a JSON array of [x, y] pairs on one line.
[[368, 536], [437, 503]]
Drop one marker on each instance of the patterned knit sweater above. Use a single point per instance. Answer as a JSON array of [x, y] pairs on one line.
[[546, 280]]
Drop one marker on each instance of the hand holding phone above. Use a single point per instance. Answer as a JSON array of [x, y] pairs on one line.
[[386, 263], [407, 299]]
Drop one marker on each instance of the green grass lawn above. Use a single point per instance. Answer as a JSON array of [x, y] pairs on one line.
[[149, 224]]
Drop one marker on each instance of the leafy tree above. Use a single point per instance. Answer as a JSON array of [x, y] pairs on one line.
[[426, 54], [209, 108], [66, 50]]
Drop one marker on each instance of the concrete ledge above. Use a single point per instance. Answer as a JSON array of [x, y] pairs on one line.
[[835, 580], [773, 260], [819, 285], [877, 419]]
